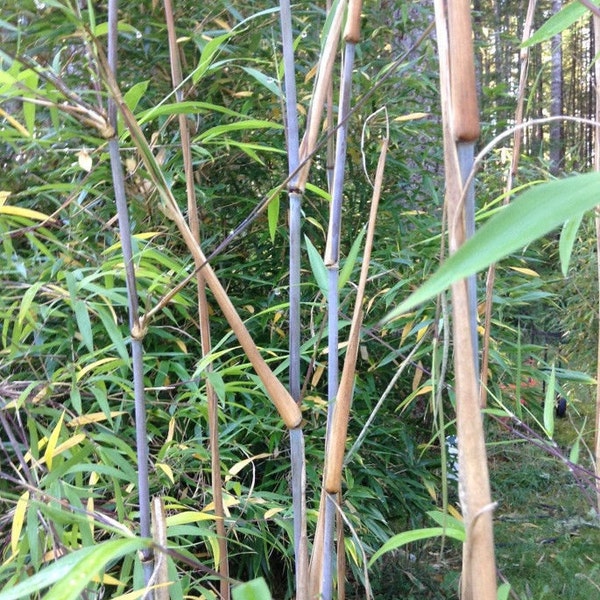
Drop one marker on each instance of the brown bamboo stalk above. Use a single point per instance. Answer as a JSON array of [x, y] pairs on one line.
[[315, 112], [341, 412], [203, 313], [479, 568]]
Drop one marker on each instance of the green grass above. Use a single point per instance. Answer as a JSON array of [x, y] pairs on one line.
[[547, 534]]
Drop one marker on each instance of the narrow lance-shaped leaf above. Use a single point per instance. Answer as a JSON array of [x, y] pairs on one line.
[[536, 212], [557, 23], [549, 405], [567, 240]]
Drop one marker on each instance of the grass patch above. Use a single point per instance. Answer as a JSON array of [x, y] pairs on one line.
[[546, 531]]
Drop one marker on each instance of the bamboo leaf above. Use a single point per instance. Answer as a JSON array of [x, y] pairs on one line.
[[558, 22], [350, 261], [407, 537], [26, 213], [18, 520], [208, 53], [318, 266], [27, 301], [549, 404], [534, 213], [83, 571], [273, 213], [252, 590], [134, 94], [248, 124], [52, 441], [84, 324], [503, 592], [266, 81], [567, 240]]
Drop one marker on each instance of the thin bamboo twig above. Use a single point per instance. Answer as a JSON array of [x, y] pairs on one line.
[[479, 570], [203, 311], [137, 356]]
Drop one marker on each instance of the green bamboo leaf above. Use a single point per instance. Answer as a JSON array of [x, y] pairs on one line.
[[567, 240], [549, 404], [27, 301], [265, 80], [186, 108], [90, 565], [273, 213], [534, 213], [102, 29], [574, 453], [134, 94], [318, 266], [350, 261], [407, 537], [248, 124], [30, 79], [84, 324], [503, 591], [46, 577], [445, 520], [208, 54], [252, 590], [557, 23]]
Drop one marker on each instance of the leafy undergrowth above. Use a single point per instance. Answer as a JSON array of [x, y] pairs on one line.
[[546, 532]]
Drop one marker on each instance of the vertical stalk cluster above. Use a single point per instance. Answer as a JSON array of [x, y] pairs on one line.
[[461, 127]]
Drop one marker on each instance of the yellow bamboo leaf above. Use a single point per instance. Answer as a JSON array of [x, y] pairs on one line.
[[525, 271], [272, 512], [405, 331], [166, 469], [417, 376], [96, 417], [311, 73], [182, 346], [95, 365], [106, 579], [85, 160], [244, 463], [171, 430], [3, 196], [140, 593], [188, 516], [318, 373], [422, 331], [454, 513], [222, 24], [411, 116], [52, 441], [67, 444], [16, 124], [426, 389], [26, 213], [18, 520]]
